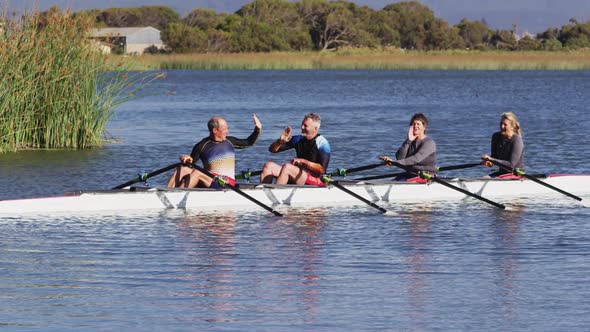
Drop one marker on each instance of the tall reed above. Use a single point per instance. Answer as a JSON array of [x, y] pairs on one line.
[[56, 89]]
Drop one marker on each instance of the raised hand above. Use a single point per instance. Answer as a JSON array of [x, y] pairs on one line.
[[411, 135], [257, 123], [286, 135]]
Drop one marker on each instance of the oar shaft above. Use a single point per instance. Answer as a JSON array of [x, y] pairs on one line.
[[382, 176], [534, 179], [498, 205], [245, 175], [453, 167], [448, 185], [530, 177], [254, 200], [147, 176], [359, 197], [345, 171], [439, 169]]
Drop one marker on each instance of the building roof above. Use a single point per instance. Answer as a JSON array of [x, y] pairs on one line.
[[110, 32]]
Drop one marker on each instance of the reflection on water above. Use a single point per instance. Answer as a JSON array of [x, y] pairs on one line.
[[302, 244], [218, 255], [208, 245], [505, 258], [418, 255]]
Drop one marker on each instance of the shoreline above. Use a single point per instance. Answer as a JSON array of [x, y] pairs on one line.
[[364, 60]]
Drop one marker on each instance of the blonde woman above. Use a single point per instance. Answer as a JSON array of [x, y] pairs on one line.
[[507, 146]]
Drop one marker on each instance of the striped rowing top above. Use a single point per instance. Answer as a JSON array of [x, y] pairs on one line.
[[220, 157]]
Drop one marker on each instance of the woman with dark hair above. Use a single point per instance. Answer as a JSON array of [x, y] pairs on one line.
[[417, 152], [507, 147]]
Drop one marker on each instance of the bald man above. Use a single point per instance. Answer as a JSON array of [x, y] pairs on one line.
[[216, 152]]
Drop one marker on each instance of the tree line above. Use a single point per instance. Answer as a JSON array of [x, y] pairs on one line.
[[304, 25]]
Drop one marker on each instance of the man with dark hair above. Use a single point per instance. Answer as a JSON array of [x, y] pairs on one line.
[[313, 155], [216, 152], [417, 152]]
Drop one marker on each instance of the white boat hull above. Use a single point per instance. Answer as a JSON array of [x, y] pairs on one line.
[[383, 193]]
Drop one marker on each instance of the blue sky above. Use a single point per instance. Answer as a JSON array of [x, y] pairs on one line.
[[529, 15]]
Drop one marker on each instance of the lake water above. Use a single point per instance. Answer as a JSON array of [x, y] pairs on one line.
[[434, 266]]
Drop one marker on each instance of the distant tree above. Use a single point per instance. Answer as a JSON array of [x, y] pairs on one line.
[[415, 20], [283, 19], [219, 41], [575, 35], [364, 26], [503, 40], [156, 16], [527, 43], [548, 34], [203, 19], [385, 26], [251, 35], [440, 36], [475, 34], [181, 38], [551, 45], [330, 23]]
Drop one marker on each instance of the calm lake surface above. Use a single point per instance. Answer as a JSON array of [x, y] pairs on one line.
[[435, 266]]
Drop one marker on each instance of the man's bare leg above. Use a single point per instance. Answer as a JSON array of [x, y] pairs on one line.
[[269, 172], [291, 174], [179, 176]]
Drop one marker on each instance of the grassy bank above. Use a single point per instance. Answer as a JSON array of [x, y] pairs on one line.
[[367, 59]]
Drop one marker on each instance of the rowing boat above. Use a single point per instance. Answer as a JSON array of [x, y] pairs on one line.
[[383, 192]]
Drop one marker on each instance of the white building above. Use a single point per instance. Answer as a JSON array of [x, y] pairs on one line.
[[129, 40]]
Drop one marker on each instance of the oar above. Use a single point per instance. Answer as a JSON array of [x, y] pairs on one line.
[[344, 171], [144, 176], [428, 176], [439, 169], [227, 184], [520, 172], [453, 167], [382, 176], [327, 179], [246, 175]]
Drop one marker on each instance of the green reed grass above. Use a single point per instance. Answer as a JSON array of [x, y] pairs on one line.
[[56, 89], [372, 59]]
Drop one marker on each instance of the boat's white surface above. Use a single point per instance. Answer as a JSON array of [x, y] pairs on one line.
[[383, 193]]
